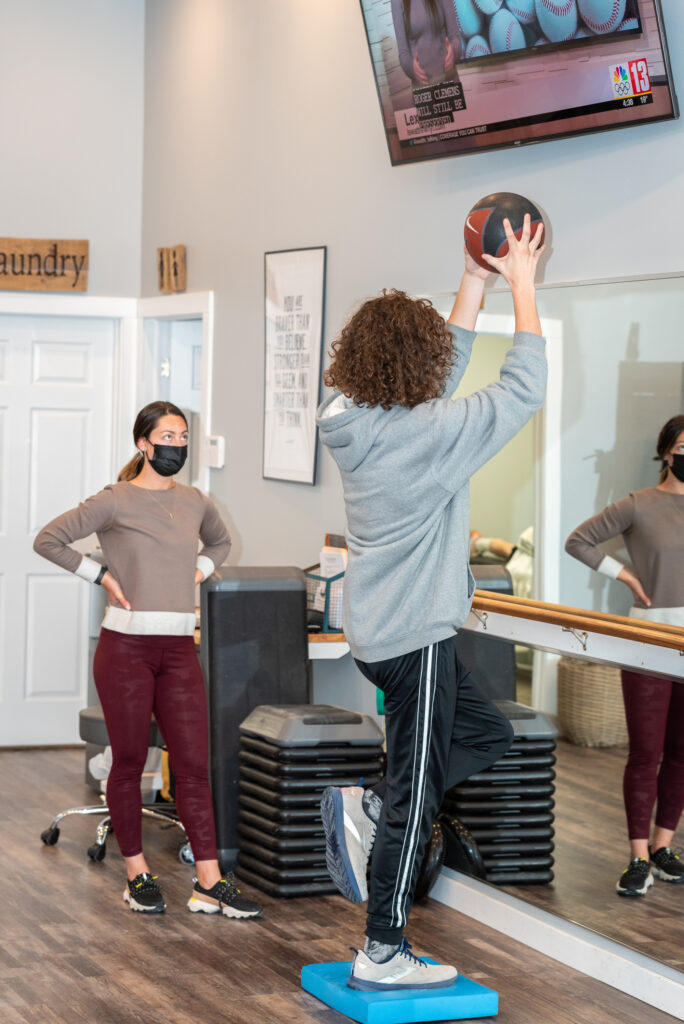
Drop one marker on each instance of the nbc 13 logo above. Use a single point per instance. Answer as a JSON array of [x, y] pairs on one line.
[[630, 79]]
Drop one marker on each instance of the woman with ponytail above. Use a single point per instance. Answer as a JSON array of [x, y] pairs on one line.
[[149, 527], [651, 521]]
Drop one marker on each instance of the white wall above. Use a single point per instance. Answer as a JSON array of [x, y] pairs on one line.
[[263, 131], [71, 123]]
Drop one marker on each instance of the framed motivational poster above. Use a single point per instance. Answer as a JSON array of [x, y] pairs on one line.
[[294, 298]]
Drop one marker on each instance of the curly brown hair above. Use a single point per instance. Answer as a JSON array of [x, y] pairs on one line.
[[395, 350]]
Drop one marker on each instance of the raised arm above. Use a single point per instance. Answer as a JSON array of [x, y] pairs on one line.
[[462, 319], [469, 296], [469, 431]]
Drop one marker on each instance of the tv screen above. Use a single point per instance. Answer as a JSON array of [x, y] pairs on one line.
[[458, 76]]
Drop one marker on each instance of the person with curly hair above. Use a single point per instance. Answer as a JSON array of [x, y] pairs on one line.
[[406, 453]]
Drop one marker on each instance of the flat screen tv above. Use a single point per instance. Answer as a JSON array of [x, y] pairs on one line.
[[461, 76]]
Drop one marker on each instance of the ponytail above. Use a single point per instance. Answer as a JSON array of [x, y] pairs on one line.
[[132, 468]]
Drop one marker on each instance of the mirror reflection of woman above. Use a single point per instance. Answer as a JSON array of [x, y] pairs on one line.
[[651, 521], [148, 527], [428, 40]]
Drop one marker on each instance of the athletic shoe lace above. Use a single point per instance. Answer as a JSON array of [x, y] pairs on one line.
[[638, 869], [148, 885], [225, 891], [405, 951], [667, 854]]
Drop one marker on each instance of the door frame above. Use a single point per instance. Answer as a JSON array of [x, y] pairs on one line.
[[187, 306], [132, 372]]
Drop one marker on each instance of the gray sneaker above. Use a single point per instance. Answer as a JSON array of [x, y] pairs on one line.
[[402, 970], [349, 836]]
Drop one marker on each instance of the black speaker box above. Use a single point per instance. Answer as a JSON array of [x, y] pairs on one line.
[[254, 650]]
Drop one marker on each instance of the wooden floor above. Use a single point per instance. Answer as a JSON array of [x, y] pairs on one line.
[[592, 850], [71, 953]]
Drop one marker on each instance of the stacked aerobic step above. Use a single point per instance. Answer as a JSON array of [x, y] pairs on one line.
[[509, 809], [288, 755]]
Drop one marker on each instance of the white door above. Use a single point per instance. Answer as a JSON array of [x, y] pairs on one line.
[[56, 379]]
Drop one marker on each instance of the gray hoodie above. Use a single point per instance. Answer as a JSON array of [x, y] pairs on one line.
[[406, 475]]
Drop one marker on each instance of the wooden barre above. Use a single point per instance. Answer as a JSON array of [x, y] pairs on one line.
[[581, 620], [660, 627]]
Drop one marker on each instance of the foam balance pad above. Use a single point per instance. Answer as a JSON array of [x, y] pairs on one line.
[[461, 1001]]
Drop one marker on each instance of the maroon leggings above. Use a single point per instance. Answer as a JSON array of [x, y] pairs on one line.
[[136, 676], [655, 722]]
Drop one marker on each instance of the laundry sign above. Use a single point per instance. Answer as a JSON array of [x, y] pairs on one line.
[[43, 265]]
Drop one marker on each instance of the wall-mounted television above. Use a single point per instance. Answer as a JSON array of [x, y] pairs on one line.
[[462, 76]]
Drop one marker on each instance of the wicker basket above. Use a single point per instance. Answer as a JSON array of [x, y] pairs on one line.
[[591, 712]]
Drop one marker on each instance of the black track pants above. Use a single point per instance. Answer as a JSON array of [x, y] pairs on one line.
[[440, 729]]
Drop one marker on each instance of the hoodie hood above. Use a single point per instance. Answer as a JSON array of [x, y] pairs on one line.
[[349, 430]]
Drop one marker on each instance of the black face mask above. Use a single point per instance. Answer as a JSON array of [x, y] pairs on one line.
[[168, 459], [677, 467]]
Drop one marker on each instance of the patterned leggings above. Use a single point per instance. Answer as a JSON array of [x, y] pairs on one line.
[[655, 722], [136, 676]]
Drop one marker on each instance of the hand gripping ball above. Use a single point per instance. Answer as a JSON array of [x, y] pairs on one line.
[[484, 231]]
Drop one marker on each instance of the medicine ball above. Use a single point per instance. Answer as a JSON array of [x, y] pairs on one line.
[[484, 230], [432, 863], [460, 849]]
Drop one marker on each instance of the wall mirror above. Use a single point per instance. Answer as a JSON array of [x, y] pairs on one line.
[[619, 378]]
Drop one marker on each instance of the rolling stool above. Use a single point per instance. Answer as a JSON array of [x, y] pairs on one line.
[[92, 729]]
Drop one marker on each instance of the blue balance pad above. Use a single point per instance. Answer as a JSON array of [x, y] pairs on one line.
[[461, 1001]]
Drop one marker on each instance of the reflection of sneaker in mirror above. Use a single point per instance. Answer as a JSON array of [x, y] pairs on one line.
[[402, 970], [667, 865], [350, 818], [636, 879], [223, 898], [143, 893]]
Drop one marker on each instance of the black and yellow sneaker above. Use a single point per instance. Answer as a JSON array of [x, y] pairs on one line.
[[667, 865], [143, 893], [636, 879], [223, 898]]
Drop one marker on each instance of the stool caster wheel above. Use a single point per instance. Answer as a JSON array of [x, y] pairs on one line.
[[185, 854], [97, 851], [50, 836]]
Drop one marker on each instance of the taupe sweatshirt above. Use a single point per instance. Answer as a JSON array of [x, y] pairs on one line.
[[652, 525], [149, 542]]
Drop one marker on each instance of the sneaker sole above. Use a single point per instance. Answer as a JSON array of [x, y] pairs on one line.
[[336, 857], [388, 986], [199, 907], [635, 892], [664, 877], [159, 908]]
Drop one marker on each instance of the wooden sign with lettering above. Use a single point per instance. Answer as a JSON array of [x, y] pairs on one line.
[[171, 269], [43, 265]]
